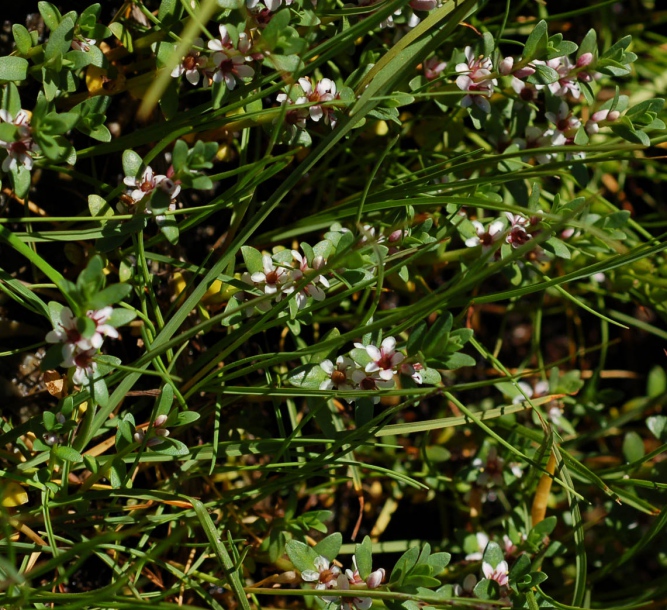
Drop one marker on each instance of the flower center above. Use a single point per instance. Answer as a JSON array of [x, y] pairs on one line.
[[190, 62], [272, 277], [326, 576], [226, 65], [486, 239], [146, 185], [367, 383]]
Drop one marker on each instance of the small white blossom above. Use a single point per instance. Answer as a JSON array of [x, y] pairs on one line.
[[144, 185], [192, 64], [324, 575], [273, 278], [339, 374], [474, 77], [21, 150], [500, 573], [384, 359], [485, 237]]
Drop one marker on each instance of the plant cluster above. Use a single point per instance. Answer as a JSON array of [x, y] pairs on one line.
[[335, 267]]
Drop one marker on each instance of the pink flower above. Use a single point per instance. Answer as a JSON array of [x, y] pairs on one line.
[[68, 333], [564, 121], [272, 277], [370, 383], [500, 573], [433, 66], [536, 138], [323, 91], [324, 574], [474, 77], [525, 91], [339, 374], [83, 44], [485, 237], [311, 289], [230, 67], [149, 181], [599, 117], [385, 358], [506, 65], [193, 63], [20, 151], [517, 235], [567, 79], [86, 367], [413, 370]]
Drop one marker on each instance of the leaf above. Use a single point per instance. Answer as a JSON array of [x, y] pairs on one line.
[[657, 424], [110, 295], [50, 14], [536, 44], [22, 38], [100, 393], [98, 206], [66, 453], [437, 337], [486, 589], [60, 40], [13, 68], [633, 447], [308, 376], [439, 561], [363, 554], [165, 400], [173, 447], [589, 44], [456, 360], [132, 163], [544, 75], [545, 527], [121, 317], [252, 259], [493, 554], [558, 247], [185, 417], [170, 231], [329, 547], [403, 566], [301, 555]]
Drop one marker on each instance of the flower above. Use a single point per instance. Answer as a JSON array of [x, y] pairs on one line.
[[191, 64], [517, 235], [500, 573], [272, 277], [433, 66], [294, 117], [68, 331], [536, 138], [413, 370], [19, 151], [485, 237], [564, 121], [339, 374], [83, 44], [230, 67], [348, 603], [86, 367], [323, 91], [474, 77], [567, 79], [384, 358], [149, 181], [370, 383], [271, 5], [525, 91], [310, 289], [601, 116], [324, 575]]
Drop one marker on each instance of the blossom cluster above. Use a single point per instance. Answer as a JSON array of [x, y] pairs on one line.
[[368, 368], [23, 148], [328, 576], [141, 187], [81, 341]]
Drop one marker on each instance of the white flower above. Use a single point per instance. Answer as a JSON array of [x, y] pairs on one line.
[[567, 79], [230, 67], [192, 64], [413, 370], [83, 44], [324, 574], [385, 358], [19, 151], [311, 289], [564, 121], [272, 277], [536, 138], [482, 541], [272, 5], [323, 91], [485, 237], [433, 67], [149, 180], [500, 573], [339, 374], [68, 333], [474, 77], [86, 368], [370, 383]]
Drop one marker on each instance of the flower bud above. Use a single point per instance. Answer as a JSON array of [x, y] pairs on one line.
[[506, 65], [524, 72], [375, 579], [613, 115], [396, 235], [584, 60], [138, 436], [160, 420]]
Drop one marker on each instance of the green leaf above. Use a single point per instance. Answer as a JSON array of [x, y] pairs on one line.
[[329, 547], [363, 554], [252, 259], [179, 155], [165, 400], [100, 393], [60, 40], [67, 453], [456, 360], [109, 295], [633, 447], [185, 417], [486, 589], [589, 44], [50, 14], [544, 75], [439, 561], [98, 206], [493, 554], [657, 424], [121, 317], [132, 163], [20, 179], [301, 555], [558, 247], [404, 565], [545, 527], [173, 447], [13, 68], [170, 231], [22, 38], [536, 44], [437, 337], [309, 376]]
